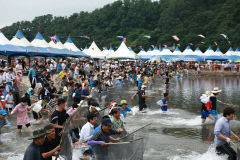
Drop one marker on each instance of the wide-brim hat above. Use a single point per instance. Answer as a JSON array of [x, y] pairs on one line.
[[39, 133], [208, 93], [216, 90]]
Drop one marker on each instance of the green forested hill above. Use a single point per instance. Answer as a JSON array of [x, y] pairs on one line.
[[134, 19]]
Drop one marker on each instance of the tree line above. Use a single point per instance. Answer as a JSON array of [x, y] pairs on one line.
[[138, 19]]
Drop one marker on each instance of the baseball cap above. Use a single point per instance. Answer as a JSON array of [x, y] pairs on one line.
[[3, 112], [107, 122]]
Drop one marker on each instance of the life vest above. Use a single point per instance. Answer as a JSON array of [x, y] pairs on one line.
[[208, 105], [2, 104]]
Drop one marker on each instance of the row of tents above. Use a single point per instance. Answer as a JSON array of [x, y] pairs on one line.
[[189, 55], [20, 46]]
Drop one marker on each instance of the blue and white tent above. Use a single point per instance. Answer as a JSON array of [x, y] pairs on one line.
[[189, 55], [143, 55], [176, 52], [6, 48], [85, 50], [74, 51], [210, 55], [59, 46], [167, 55], [20, 41], [230, 52], [218, 52], [198, 52], [46, 50], [232, 56]]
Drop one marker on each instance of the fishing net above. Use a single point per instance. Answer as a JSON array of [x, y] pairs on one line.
[[75, 121], [238, 152], [130, 148]]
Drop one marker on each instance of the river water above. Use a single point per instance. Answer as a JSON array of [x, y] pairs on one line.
[[175, 135]]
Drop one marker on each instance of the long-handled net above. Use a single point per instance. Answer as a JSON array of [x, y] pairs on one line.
[[131, 147], [238, 152]]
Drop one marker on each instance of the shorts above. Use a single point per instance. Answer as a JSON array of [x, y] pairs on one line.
[[52, 72], [214, 113], [204, 114], [39, 85], [20, 126], [36, 115], [164, 108]]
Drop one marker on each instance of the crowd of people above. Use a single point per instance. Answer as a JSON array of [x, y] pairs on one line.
[[57, 88]]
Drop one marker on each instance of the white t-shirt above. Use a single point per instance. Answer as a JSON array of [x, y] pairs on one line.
[[19, 68], [63, 66], [51, 67], [9, 98]]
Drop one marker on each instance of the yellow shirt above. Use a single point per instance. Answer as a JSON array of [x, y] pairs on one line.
[[146, 79], [61, 74]]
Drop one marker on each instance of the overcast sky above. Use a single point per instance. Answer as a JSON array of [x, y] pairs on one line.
[[18, 10]]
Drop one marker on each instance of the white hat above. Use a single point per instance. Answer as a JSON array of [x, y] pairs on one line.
[[120, 77], [216, 90], [208, 93]]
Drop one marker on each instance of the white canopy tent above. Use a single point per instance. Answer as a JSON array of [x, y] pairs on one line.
[[230, 52], [198, 52], [20, 40], [209, 52], [177, 52], [95, 52], [166, 51], [123, 53], [218, 52], [188, 51]]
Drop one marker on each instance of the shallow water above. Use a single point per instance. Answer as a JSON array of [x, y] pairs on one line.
[[174, 135]]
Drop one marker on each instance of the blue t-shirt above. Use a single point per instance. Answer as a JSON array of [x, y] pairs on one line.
[[59, 68], [85, 92], [92, 84], [124, 113], [164, 101], [118, 83], [140, 82], [97, 129]]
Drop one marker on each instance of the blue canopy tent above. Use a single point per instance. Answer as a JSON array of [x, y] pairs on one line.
[[216, 58]]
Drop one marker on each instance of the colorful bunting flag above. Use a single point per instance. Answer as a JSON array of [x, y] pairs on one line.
[[147, 36], [224, 35], [175, 38], [202, 36]]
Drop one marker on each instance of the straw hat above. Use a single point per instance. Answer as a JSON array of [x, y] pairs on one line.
[[208, 93], [216, 90]]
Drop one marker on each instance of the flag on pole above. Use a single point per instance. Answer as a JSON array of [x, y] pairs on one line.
[[202, 36], [1, 30], [229, 42], [215, 43], [175, 38], [122, 38], [53, 39], [152, 46], [86, 37]]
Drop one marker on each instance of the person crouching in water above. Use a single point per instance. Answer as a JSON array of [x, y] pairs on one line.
[[206, 106]]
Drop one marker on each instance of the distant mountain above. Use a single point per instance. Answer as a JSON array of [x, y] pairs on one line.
[[135, 19]]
